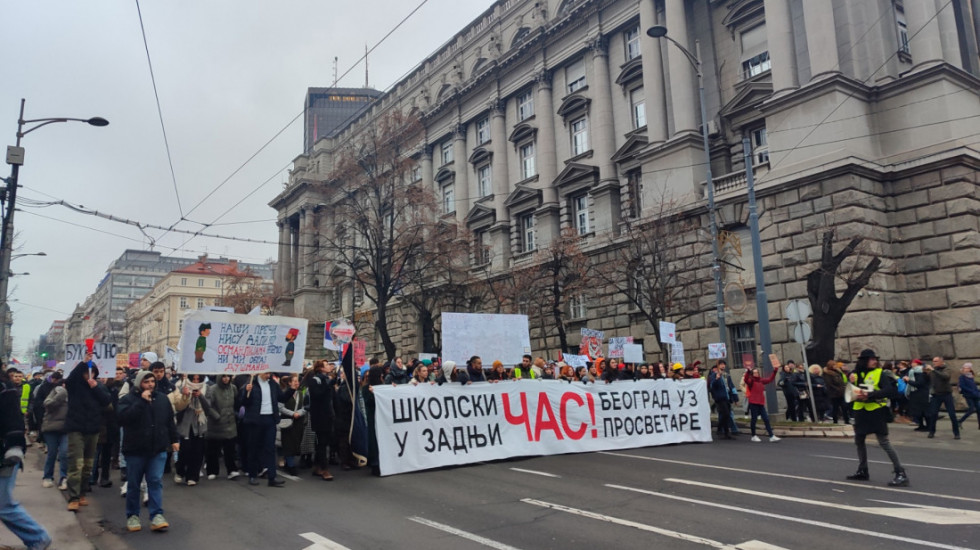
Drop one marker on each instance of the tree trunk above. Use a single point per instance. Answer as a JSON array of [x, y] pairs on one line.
[[382, 325], [428, 331]]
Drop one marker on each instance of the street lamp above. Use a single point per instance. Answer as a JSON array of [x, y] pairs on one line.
[[15, 256], [15, 158], [12, 274], [659, 31]]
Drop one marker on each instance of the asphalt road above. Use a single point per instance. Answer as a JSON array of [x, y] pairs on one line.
[[727, 494]]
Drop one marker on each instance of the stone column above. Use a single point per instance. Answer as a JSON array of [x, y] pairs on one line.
[[779, 36], [426, 166], [547, 215], [501, 179], [655, 103], [305, 247], [462, 182], [948, 34], [605, 195], [821, 38], [925, 41], [683, 93], [294, 256], [283, 253]]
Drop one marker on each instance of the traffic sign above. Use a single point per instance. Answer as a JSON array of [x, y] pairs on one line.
[[802, 333], [798, 310]]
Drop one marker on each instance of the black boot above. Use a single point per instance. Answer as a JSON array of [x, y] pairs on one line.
[[105, 482], [860, 475], [901, 480]]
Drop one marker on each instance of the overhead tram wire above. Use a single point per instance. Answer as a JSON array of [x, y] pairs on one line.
[[156, 95], [293, 121]]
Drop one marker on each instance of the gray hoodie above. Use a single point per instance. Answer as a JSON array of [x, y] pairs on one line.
[[55, 410]]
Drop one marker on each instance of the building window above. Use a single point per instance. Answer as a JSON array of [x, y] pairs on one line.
[[200, 282], [527, 161], [447, 152], [632, 38], [527, 232], [416, 175], [580, 214], [903, 29], [448, 198], [180, 326], [760, 146], [742, 355], [638, 110], [578, 307], [217, 283], [183, 302], [580, 136], [484, 178], [755, 52], [575, 75], [183, 281], [200, 303], [483, 131], [482, 252], [525, 105]]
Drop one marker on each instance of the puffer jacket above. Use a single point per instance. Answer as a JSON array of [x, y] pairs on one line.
[[55, 410], [148, 427], [224, 401], [86, 405]]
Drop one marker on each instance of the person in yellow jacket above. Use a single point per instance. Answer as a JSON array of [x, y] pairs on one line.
[[871, 415]]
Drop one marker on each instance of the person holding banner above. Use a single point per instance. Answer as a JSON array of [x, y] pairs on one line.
[[222, 429], [472, 373], [721, 389], [755, 390], [87, 399], [261, 401]]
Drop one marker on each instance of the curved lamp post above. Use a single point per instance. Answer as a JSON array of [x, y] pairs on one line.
[[15, 158]]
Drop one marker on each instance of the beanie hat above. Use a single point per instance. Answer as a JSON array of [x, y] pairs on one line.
[[140, 376], [150, 356]]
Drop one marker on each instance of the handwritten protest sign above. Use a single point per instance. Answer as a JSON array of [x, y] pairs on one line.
[[432, 426], [575, 361], [337, 334], [717, 351], [103, 357], [360, 352], [214, 343], [677, 353], [633, 353], [616, 345], [122, 360], [591, 343], [489, 336], [668, 332]]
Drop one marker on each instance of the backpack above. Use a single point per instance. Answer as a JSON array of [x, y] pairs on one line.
[[903, 387], [909, 388]]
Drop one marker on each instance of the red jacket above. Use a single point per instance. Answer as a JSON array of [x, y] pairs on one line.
[[755, 387]]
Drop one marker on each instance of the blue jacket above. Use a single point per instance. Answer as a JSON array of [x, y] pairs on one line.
[[968, 387]]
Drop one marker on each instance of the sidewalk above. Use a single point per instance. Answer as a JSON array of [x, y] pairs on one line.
[[47, 506]]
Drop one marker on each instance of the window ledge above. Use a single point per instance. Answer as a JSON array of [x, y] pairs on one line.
[[580, 156], [523, 120], [526, 181]]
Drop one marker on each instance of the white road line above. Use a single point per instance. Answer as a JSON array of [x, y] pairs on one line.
[[627, 523], [535, 472], [463, 534], [911, 512], [321, 543], [788, 476], [771, 515], [289, 477], [905, 464]]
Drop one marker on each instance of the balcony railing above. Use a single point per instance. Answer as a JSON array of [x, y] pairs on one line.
[[734, 181]]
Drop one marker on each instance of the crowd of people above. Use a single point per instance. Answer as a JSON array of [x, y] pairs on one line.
[[149, 422]]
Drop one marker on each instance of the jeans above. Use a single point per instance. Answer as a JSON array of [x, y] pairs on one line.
[[57, 444], [724, 409], [81, 453], [15, 517], [757, 411], [150, 466], [972, 406], [935, 403], [262, 446]]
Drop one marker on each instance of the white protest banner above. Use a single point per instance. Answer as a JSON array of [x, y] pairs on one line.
[[214, 343], [575, 361], [668, 332], [677, 353], [429, 356], [103, 357], [717, 351], [337, 334], [633, 353], [616, 344], [171, 356], [488, 336], [591, 343], [421, 427]]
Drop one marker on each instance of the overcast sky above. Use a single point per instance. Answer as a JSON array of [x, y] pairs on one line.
[[230, 74]]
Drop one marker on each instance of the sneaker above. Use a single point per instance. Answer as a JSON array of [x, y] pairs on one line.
[[82, 501], [146, 497], [47, 483], [233, 475], [755, 439], [957, 436], [263, 472], [159, 523], [901, 480], [191, 483], [773, 439], [133, 524], [178, 479], [63, 486], [73, 506], [212, 477], [122, 489]]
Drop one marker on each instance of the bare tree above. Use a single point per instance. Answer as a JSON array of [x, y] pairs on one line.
[[659, 275], [828, 307], [244, 291], [383, 219]]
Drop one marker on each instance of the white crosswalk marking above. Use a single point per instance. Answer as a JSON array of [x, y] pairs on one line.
[[321, 543], [463, 534]]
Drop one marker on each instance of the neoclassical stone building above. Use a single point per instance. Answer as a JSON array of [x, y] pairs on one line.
[[861, 115]]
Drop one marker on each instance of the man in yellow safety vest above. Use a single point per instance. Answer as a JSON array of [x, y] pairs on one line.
[[871, 415]]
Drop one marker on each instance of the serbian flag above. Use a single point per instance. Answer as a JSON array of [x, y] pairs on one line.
[[358, 433], [328, 342]]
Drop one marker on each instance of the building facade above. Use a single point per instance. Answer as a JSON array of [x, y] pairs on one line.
[[544, 116], [155, 321]]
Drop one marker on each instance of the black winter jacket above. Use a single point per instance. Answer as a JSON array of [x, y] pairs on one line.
[[148, 427], [322, 390], [86, 405]]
